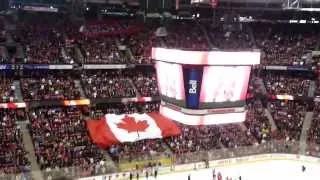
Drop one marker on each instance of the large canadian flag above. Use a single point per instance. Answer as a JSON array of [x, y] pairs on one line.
[[116, 129]]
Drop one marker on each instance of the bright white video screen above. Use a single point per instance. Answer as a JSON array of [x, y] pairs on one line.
[[223, 58], [170, 80], [224, 83], [208, 119]]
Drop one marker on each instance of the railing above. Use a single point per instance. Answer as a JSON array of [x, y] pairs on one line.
[[275, 146], [79, 171], [145, 157], [191, 157], [268, 147], [131, 161], [313, 150]]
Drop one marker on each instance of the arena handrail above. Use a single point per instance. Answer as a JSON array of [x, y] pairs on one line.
[[274, 150]]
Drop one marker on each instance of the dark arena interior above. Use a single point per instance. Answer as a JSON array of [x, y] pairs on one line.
[[159, 89]]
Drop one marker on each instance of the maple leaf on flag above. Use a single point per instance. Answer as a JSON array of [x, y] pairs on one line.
[[131, 125]]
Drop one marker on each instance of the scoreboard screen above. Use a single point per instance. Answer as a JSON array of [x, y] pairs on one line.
[[203, 87], [204, 80], [170, 82], [224, 86]]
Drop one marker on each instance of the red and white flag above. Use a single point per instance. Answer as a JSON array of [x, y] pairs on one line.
[[116, 129]]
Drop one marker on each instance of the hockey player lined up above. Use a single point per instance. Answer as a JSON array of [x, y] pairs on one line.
[[156, 171], [219, 176], [147, 173], [214, 176], [131, 175], [137, 175], [137, 171]]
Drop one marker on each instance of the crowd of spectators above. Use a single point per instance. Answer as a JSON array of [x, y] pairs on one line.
[[49, 88], [280, 45], [229, 39], [140, 45], [195, 139], [293, 84], [210, 137], [61, 143], [109, 26], [102, 50], [142, 42], [100, 43], [46, 43], [3, 55], [317, 89], [288, 117], [185, 35], [12, 152], [120, 108], [43, 40], [107, 84], [284, 44], [192, 138], [59, 134], [117, 84], [257, 130], [314, 131], [2, 30], [235, 135], [7, 90], [43, 47], [138, 150], [146, 84], [257, 122]]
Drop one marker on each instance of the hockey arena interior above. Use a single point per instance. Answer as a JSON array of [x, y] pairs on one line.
[[159, 89]]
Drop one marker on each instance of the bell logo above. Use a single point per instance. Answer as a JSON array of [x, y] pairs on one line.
[[192, 86]]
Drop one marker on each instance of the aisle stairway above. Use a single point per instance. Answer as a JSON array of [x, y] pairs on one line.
[[20, 52], [135, 88], [79, 87], [251, 34], [109, 162], [304, 132], [312, 89], [78, 55], [17, 92], [271, 120], [259, 83], [28, 144], [243, 127], [127, 50], [205, 33]]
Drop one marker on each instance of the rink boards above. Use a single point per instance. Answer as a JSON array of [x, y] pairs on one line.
[[215, 164]]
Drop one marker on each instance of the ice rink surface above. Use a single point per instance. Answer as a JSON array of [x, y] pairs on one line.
[[268, 170]]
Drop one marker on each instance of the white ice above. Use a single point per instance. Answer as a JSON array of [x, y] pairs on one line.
[[268, 170]]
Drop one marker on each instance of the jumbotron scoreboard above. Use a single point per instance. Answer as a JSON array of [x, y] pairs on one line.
[[203, 87]]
